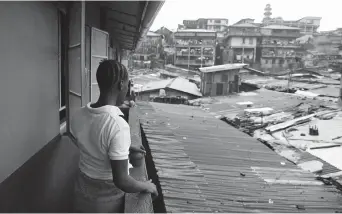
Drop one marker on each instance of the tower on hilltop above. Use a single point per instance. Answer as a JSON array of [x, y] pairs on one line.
[[267, 13]]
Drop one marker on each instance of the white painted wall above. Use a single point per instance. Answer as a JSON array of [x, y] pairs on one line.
[[237, 41], [28, 81]]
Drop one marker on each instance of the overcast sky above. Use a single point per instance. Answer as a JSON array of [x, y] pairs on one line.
[[175, 11]]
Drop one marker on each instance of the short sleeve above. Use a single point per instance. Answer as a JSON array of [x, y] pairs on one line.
[[120, 141]]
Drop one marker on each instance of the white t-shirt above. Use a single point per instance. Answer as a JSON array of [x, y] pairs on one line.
[[102, 135]]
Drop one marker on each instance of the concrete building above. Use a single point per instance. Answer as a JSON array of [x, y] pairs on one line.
[[216, 24], [195, 48], [151, 47], [241, 43], [278, 47], [327, 42], [308, 25], [48, 66], [221, 79]]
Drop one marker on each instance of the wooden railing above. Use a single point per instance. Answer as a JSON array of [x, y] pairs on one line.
[[137, 202]]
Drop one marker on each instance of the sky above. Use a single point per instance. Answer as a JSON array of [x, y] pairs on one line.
[[174, 12]]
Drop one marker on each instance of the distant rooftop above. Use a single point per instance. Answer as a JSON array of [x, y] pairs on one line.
[[153, 34], [311, 17], [244, 25], [178, 84], [280, 27], [197, 30], [224, 67]]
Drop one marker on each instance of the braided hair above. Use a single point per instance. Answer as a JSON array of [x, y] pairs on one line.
[[109, 73]]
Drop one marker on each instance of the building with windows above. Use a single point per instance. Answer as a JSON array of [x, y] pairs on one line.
[[216, 24], [278, 47], [308, 25], [241, 43], [151, 47], [195, 48], [328, 43]]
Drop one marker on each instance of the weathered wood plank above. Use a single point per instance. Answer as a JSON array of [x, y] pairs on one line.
[[137, 202]]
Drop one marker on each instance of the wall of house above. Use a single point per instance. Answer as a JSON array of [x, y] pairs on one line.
[[237, 41], [29, 81], [217, 77], [209, 81]]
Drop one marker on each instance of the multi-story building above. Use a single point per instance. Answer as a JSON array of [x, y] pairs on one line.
[[241, 43], [150, 47], [278, 47], [195, 48], [328, 43], [308, 25], [216, 24]]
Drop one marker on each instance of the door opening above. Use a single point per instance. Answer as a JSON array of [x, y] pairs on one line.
[[62, 66]]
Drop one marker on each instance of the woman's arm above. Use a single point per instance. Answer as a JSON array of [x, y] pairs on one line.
[[126, 183], [118, 152]]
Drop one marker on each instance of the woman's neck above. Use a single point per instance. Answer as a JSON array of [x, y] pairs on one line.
[[103, 101]]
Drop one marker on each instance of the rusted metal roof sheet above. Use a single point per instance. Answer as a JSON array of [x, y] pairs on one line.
[[225, 67], [227, 170], [229, 107]]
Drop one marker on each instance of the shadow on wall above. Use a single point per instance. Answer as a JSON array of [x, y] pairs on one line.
[[45, 182]]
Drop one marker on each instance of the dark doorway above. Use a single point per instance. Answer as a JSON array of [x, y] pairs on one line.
[[219, 89]]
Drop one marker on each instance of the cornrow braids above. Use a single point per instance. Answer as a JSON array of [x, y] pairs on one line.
[[109, 73]]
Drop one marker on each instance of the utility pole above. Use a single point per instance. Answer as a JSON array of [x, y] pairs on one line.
[[243, 50], [189, 57], [288, 81], [340, 98], [201, 55]]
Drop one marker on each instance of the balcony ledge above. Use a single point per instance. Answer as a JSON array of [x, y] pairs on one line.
[[137, 202]]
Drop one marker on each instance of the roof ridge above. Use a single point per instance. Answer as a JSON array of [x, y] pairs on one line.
[[170, 83]]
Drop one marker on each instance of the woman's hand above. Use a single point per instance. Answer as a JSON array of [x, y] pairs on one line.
[[140, 149], [151, 188]]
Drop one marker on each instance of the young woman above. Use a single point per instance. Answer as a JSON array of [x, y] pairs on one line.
[[103, 138]]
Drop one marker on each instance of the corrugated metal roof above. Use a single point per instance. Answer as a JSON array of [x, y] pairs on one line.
[[179, 84], [229, 107], [244, 25], [281, 27], [156, 85], [184, 85], [225, 67], [153, 34], [329, 91], [221, 169]]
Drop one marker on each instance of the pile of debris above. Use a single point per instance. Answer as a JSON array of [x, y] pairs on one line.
[[297, 131], [202, 101], [253, 119]]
